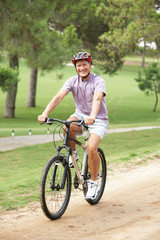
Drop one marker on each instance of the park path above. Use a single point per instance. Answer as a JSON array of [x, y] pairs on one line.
[[10, 143]]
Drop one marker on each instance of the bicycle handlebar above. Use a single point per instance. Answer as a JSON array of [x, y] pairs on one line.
[[67, 123]]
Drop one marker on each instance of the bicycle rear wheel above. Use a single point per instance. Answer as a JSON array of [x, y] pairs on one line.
[[53, 198], [101, 178]]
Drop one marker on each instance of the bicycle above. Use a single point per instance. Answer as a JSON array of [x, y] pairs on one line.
[[55, 184]]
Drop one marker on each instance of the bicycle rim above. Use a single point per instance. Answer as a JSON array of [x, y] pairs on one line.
[[101, 178], [54, 200]]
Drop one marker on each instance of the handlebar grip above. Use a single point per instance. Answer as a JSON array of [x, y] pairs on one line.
[[82, 123], [47, 121]]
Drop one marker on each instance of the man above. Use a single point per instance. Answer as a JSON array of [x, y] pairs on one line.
[[89, 93]]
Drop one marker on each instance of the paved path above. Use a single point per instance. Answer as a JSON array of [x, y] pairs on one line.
[[9, 143]]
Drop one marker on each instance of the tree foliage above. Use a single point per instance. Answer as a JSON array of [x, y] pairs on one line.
[[81, 14], [8, 77], [43, 48], [70, 41], [128, 22], [149, 81]]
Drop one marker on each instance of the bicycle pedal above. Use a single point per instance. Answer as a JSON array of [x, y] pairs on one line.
[[76, 181]]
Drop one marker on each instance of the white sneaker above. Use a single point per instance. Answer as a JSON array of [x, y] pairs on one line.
[[92, 191], [76, 156]]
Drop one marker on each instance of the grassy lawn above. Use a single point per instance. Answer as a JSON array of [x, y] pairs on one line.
[[21, 168], [138, 59], [127, 105]]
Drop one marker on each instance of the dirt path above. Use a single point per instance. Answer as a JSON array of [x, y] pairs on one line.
[[129, 210]]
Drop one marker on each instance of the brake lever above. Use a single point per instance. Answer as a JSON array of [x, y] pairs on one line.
[[47, 121], [82, 123]]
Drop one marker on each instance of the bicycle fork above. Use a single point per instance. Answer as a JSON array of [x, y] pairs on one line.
[[58, 186]]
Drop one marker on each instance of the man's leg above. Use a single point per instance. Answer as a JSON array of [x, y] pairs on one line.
[[93, 157], [72, 132], [94, 164]]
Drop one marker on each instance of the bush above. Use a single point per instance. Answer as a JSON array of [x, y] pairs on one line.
[[149, 81], [8, 77]]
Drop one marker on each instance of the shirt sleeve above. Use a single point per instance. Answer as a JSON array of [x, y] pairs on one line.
[[67, 86], [100, 85]]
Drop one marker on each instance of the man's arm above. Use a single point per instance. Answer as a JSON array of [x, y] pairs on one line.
[[52, 105], [97, 98]]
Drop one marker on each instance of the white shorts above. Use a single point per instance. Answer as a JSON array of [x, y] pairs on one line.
[[99, 127]]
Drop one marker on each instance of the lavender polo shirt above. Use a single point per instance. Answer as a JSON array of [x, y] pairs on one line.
[[83, 94]]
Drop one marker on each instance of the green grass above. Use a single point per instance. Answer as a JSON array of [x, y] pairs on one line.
[[123, 147], [127, 105], [138, 59], [21, 168]]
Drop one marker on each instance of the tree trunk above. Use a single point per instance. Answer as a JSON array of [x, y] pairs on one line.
[[155, 106], [11, 94], [144, 54], [31, 102]]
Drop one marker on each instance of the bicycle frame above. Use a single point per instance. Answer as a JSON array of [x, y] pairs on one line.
[[69, 151]]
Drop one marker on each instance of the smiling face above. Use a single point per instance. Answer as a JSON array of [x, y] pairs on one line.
[[83, 68]]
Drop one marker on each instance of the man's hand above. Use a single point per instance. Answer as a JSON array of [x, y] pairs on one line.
[[42, 118], [89, 120]]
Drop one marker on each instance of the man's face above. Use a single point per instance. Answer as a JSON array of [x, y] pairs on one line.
[[83, 67]]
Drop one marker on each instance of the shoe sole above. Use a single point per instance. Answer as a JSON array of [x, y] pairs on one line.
[[92, 198]]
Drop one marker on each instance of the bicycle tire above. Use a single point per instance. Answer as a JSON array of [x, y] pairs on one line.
[[54, 202], [101, 178]]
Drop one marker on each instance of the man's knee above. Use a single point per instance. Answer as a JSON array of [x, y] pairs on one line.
[[92, 149], [92, 143]]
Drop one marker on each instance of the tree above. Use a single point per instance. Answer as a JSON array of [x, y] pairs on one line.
[[42, 51], [150, 81], [17, 22], [128, 21], [7, 25], [11, 26]]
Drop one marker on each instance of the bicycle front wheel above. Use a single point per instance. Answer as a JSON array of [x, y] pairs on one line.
[[101, 178], [54, 197]]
